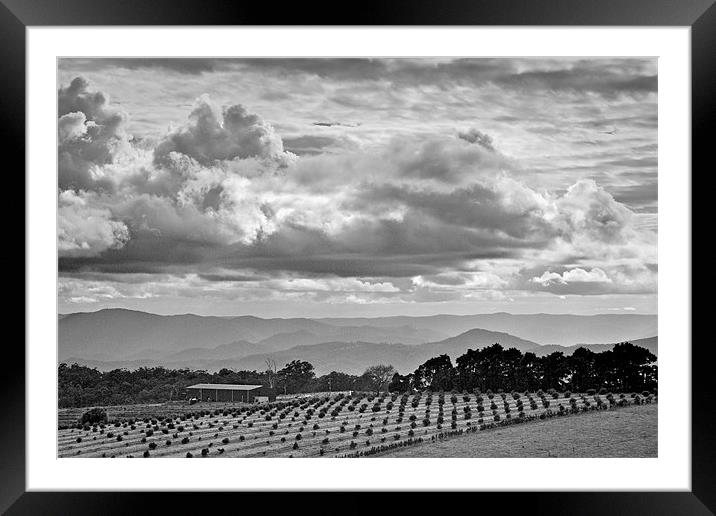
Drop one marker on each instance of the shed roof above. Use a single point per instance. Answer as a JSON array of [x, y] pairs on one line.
[[225, 386]]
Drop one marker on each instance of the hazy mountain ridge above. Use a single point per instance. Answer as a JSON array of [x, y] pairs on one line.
[[650, 343], [355, 357], [124, 338], [117, 334], [561, 329], [348, 357]]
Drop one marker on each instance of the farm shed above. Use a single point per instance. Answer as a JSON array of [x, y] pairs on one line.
[[230, 392]]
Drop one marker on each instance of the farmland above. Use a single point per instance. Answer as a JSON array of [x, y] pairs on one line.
[[628, 432], [67, 417], [331, 425]]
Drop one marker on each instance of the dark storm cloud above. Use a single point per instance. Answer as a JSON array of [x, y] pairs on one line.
[[370, 248], [602, 76], [150, 254], [580, 78], [480, 213], [335, 68], [328, 68], [175, 64], [341, 266], [478, 137], [368, 263], [68, 265], [353, 265]]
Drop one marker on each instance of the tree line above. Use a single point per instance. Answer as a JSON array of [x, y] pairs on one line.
[[81, 386], [625, 368]]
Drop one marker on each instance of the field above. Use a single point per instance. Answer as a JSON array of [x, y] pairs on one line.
[[68, 417], [344, 426], [628, 432]]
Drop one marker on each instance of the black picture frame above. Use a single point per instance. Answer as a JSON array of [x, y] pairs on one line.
[[699, 15]]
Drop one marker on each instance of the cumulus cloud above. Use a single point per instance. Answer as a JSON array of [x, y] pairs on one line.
[[78, 98], [460, 281], [86, 230], [219, 204], [607, 279], [588, 210], [213, 135], [333, 284], [355, 222], [71, 126], [573, 276], [91, 134]]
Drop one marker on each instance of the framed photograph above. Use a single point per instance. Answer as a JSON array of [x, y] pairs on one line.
[[421, 250]]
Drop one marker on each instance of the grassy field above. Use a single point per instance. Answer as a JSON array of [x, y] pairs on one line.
[[627, 432]]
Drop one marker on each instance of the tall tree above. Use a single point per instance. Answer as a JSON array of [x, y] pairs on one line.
[[271, 371], [554, 370], [335, 381], [296, 376], [379, 376], [527, 377], [436, 374], [400, 383], [583, 374]]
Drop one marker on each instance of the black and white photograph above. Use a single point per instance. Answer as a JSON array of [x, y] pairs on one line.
[[426, 257]]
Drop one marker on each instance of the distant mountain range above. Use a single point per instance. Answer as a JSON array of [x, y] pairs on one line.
[[650, 343], [118, 334], [355, 357], [118, 338], [560, 329]]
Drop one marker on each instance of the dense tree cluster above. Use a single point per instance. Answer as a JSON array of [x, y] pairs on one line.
[[81, 386], [624, 368]]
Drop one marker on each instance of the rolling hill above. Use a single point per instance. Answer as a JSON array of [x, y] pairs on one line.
[[118, 334], [651, 343], [561, 329], [355, 357], [115, 338]]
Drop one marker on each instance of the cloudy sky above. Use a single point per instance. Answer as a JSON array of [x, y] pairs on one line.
[[312, 187]]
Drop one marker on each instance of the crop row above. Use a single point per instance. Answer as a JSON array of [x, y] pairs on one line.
[[330, 425]]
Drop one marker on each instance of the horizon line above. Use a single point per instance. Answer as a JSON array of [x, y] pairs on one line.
[[348, 316]]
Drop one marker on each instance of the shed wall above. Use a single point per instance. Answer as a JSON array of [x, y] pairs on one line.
[[222, 395]]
